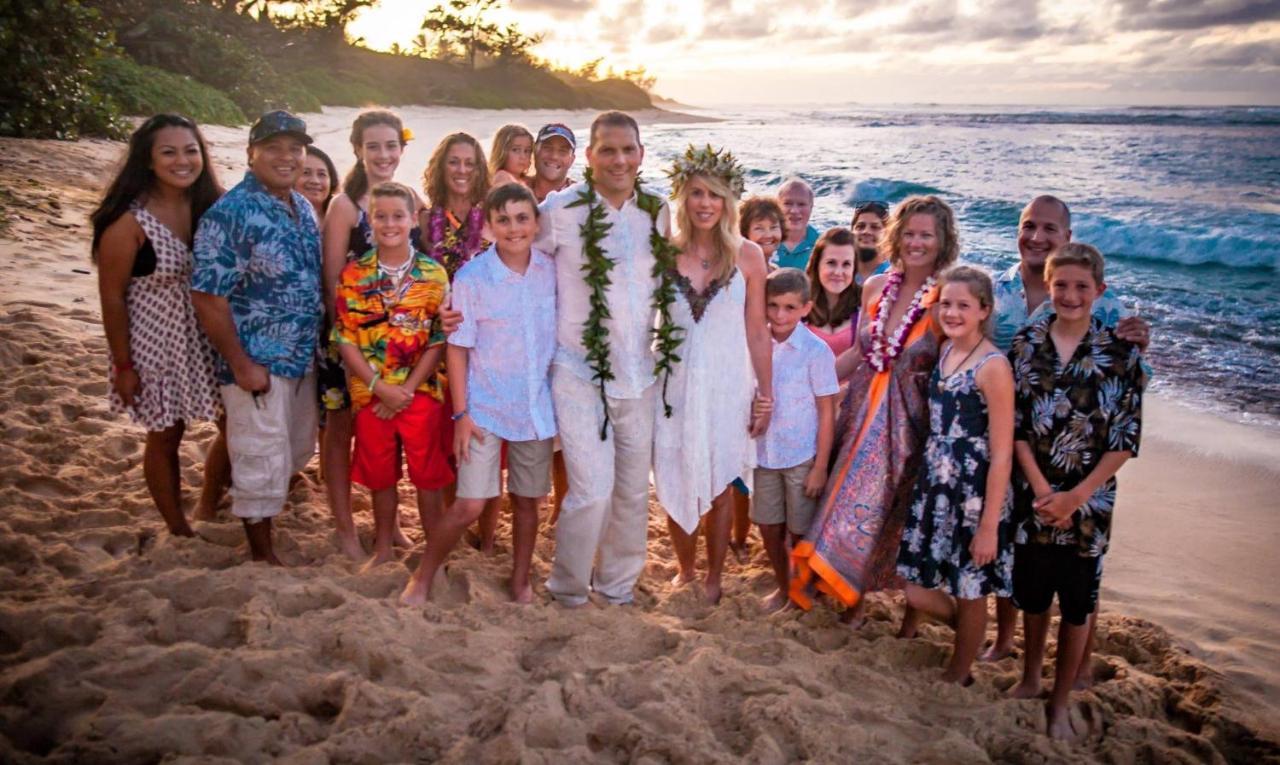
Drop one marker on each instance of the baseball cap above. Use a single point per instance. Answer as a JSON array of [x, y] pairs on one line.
[[277, 122], [560, 129]]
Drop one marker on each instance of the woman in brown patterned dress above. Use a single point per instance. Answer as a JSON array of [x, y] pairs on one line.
[[161, 363], [852, 547]]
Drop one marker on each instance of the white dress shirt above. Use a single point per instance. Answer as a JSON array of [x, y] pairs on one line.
[[508, 325], [629, 295], [803, 368]]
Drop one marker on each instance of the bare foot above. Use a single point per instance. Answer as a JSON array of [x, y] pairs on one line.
[[996, 652], [1084, 677], [1027, 689], [712, 591], [964, 681], [855, 617], [1060, 723], [416, 592], [488, 548], [681, 579], [378, 559], [741, 552], [522, 595], [182, 531], [400, 540], [350, 546], [205, 513], [777, 601]]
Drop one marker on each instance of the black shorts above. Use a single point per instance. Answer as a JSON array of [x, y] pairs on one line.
[[1041, 571]]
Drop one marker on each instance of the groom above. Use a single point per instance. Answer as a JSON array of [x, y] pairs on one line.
[[603, 389]]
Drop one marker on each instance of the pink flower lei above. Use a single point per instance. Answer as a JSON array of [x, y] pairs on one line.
[[453, 243], [883, 350]]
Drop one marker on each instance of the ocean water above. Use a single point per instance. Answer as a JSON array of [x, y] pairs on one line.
[[1185, 204]]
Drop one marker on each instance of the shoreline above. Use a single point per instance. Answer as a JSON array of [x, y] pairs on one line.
[[120, 643]]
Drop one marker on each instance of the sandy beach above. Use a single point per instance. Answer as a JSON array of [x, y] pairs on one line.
[[119, 643]]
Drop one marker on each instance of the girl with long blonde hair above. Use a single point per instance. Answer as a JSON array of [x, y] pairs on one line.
[[511, 156]]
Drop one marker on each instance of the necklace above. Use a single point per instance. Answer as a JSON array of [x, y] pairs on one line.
[[942, 378], [595, 270], [883, 349]]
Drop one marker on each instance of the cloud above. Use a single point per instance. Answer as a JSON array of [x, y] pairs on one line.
[[1194, 14], [744, 27], [1215, 56], [558, 8]]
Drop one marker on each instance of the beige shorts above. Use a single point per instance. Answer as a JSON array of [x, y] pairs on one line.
[[528, 468], [778, 497], [269, 438]]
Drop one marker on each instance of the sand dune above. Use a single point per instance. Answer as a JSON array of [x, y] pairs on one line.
[[119, 643]]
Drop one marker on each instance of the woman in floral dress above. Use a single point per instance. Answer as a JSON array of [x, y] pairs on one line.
[[161, 362], [852, 547]]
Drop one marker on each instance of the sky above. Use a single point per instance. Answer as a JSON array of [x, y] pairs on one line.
[[1083, 52]]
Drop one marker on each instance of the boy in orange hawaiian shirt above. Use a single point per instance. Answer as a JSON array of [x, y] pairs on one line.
[[386, 328]]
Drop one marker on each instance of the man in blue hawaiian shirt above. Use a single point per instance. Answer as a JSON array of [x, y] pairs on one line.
[[256, 289]]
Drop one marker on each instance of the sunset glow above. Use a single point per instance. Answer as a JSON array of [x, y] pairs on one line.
[[974, 51]]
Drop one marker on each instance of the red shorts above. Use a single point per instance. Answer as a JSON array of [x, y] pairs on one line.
[[375, 462]]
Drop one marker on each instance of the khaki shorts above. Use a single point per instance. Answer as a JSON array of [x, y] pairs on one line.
[[528, 468], [778, 497], [269, 438]]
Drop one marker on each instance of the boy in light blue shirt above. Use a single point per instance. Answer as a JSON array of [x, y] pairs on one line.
[[499, 364]]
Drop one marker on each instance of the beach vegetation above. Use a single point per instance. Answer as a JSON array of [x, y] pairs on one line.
[[78, 65], [51, 50]]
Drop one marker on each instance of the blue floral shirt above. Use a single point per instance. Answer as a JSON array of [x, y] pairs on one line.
[[1011, 307], [252, 249], [797, 257]]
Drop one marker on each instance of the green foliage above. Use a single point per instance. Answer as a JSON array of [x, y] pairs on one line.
[[462, 30], [142, 89], [50, 48], [231, 52]]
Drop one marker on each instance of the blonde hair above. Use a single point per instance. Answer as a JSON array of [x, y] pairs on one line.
[[1076, 254], [944, 221], [433, 182], [502, 141], [724, 256], [979, 283]]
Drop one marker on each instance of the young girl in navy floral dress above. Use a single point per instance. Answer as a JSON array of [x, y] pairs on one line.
[[957, 546]]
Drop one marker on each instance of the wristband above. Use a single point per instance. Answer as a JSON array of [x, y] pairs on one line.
[[458, 415], [374, 380]]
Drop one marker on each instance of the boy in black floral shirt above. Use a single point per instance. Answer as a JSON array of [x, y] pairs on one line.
[[1078, 419]]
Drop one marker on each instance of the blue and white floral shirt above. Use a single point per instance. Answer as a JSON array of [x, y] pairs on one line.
[[264, 257], [1011, 307], [509, 326]]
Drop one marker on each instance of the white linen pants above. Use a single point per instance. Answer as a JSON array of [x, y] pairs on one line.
[[269, 438], [607, 508]]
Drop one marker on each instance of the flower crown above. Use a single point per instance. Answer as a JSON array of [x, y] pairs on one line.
[[707, 161], [406, 135]]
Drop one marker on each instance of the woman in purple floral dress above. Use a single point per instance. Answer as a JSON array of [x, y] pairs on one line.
[[852, 547]]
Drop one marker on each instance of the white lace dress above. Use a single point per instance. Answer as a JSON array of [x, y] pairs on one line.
[[704, 446]]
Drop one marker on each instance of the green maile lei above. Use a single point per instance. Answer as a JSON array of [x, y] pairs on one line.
[[595, 271]]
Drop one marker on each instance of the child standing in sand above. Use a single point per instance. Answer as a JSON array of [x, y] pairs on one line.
[[1078, 419], [499, 364], [792, 455], [957, 546], [386, 307]]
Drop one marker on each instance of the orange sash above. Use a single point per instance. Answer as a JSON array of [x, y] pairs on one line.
[[809, 562]]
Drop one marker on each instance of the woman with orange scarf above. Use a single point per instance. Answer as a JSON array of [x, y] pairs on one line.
[[852, 547]]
